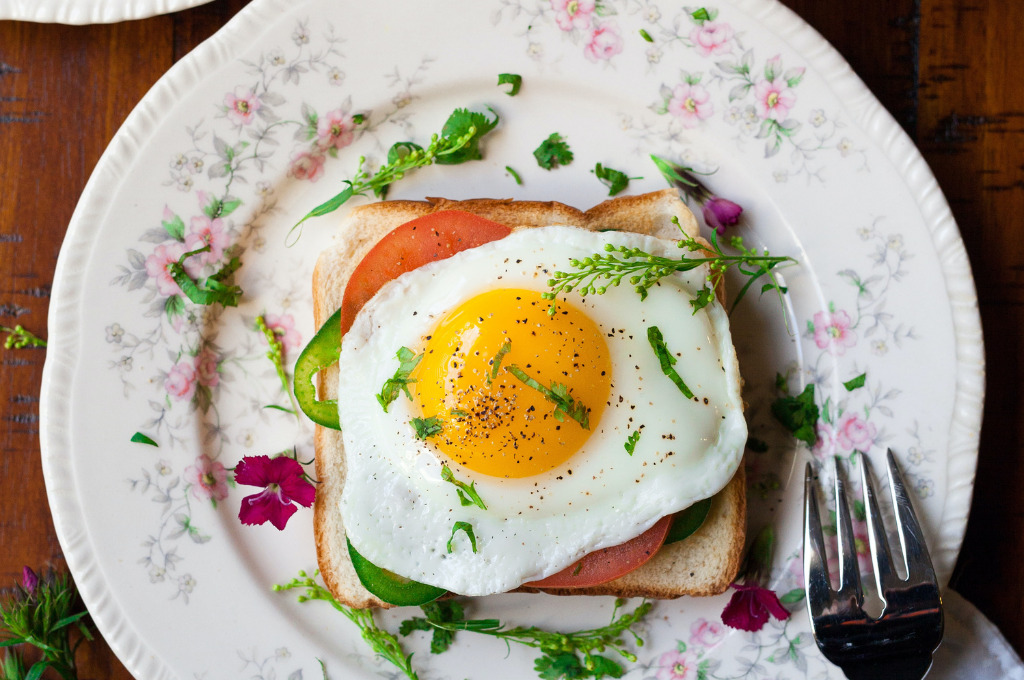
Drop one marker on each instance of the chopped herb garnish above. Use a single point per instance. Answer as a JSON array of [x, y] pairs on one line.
[[666, 359], [552, 152], [276, 356], [459, 413], [558, 394], [703, 298], [515, 175], [799, 415], [646, 36], [467, 492], [380, 641], [466, 527], [426, 427], [615, 180], [513, 79], [631, 441], [458, 142], [505, 348], [439, 611], [700, 15], [140, 438], [212, 289], [853, 384], [19, 338], [399, 382]]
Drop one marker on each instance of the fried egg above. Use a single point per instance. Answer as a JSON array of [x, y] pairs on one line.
[[494, 366]]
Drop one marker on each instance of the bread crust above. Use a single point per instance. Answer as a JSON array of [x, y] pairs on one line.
[[702, 564]]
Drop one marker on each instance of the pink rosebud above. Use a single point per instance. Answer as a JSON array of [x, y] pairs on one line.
[[853, 432], [307, 165], [706, 633], [750, 607], [284, 484], [605, 43], [711, 38], [207, 362], [209, 479], [29, 580], [181, 380], [720, 213]]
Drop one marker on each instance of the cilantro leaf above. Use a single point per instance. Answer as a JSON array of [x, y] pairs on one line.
[[505, 348], [646, 36], [462, 123], [212, 289], [704, 297], [854, 383], [439, 611], [468, 494], [553, 152], [667, 361], [426, 427], [799, 415], [631, 441], [515, 175], [399, 382], [140, 438], [558, 394], [615, 180], [513, 79], [468, 529]]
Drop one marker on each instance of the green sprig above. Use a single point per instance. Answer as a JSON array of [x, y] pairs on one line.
[[276, 356], [383, 643], [558, 394], [19, 338], [399, 382], [212, 289], [468, 495]]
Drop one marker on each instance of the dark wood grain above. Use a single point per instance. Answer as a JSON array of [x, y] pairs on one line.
[[948, 70]]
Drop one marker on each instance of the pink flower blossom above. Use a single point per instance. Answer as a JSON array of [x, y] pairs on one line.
[[335, 130], [832, 331], [711, 37], [605, 42], [573, 14], [206, 367], [853, 432], [29, 580], [676, 665], [242, 105], [720, 213], [690, 104], [706, 633], [283, 326], [206, 232], [750, 607], [180, 382], [826, 444], [773, 98], [283, 483], [307, 165], [156, 267], [208, 479]]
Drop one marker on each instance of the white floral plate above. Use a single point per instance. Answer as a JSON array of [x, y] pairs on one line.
[[89, 11], [259, 124]]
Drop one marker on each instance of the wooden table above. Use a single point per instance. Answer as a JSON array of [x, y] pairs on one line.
[[948, 70]]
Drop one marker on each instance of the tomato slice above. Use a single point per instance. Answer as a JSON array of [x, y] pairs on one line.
[[607, 564], [436, 236]]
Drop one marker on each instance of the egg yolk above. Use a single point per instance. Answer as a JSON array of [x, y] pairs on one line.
[[477, 378]]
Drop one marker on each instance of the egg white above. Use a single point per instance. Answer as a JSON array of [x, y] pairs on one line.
[[399, 513]]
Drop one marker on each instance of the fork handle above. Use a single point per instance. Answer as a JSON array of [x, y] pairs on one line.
[[902, 667]]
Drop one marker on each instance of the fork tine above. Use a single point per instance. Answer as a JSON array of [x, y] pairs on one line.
[[915, 553], [849, 570], [881, 557], [816, 583]]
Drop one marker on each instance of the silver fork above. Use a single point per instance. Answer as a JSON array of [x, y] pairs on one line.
[[897, 645]]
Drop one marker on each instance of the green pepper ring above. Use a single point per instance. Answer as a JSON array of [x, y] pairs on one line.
[[391, 587], [321, 352]]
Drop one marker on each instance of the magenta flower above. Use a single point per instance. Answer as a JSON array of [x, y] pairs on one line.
[[720, 213], [773, 98], [676, 665], [605, 43], [832, 331], [242, 105], [156, 267], [284, 484], [750, 607], [180, 382], [208, 478], [306, 165], [207, 362], [704, 633], [711, 38], [336, 130], [573, 14], [283, 326], [853, 432], [691, 104], [29, 580], [204, 231]]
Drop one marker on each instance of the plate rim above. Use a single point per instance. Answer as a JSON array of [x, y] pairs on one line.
[[81, 12]]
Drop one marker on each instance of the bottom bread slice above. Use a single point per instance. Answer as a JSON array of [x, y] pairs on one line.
[[703, 564]]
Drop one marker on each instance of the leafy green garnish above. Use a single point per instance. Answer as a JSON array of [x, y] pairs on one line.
[[615, 180], [140, 438], [700, 15], [646, 36], [552, 152], [380, 641], [563, 655], [515, 175], [854, 383], [505, 348], [212, 289], [558, 394], [399, 382], [799, 415], [19, 338], [438, 611], [667, 361], [513, 79], [467, 492], [276, 356], [426, 427], [466, 527], [631, 441], [458, 142]]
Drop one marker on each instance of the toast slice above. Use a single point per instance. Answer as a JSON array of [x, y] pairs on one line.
[[702, 564]]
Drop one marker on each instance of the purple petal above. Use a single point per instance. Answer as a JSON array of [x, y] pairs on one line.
[[720, 213], [253, 471], [29, 579], [744, 612], [770, 601], [283, 468], [299, 490], [265, 507]]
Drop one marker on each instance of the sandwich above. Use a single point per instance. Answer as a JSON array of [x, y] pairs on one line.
[[498, 436]]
